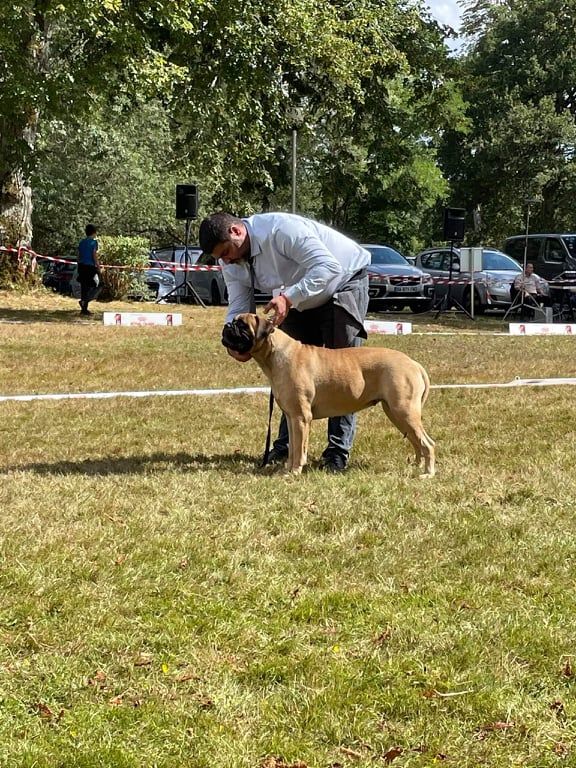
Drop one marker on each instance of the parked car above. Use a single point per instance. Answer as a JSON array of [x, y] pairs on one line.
[[209, 284], [551, 254], [58, 277], [491, 284], [393, 283]]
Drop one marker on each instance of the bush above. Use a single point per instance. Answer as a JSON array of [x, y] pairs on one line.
[[131, 253]]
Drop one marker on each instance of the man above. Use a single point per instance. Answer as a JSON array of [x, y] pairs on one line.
[[319, 285], [531, 286], [88, 268]]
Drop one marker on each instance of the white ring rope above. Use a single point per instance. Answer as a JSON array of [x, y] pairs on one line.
[[261, 390]]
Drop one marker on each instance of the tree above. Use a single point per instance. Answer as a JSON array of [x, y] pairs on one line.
[[518, 79], [117, 171], [371, 79], [55, 55]]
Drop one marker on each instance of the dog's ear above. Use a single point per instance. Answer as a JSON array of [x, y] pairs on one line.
[[264, 328]]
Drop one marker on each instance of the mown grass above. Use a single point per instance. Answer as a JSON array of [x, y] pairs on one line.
[[166, 603]]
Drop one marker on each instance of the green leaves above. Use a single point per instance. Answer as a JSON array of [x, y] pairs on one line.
[[518, 81]]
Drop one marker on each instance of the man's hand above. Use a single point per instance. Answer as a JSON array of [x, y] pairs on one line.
[[280, 306], [242, 358]]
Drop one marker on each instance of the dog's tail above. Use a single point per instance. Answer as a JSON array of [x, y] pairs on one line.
[[426, 382]]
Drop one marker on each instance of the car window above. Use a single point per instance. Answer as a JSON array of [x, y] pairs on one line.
[[553, 250], [207, 260], [515, 249], [446, 261], [499, 261], [570, 243], [380, 254], [534, 244], [432, 260]]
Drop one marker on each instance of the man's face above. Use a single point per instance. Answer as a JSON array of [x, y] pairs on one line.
[[529, 269], [235, 248]]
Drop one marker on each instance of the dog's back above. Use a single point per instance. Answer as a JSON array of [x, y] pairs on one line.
[[364, 376]]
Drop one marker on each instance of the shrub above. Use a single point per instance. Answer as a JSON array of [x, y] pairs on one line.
[[131, 253]]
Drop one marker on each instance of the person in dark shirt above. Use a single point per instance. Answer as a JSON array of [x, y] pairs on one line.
[[88, 268]]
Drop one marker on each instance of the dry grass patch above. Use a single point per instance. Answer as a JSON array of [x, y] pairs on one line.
[[165, 603]]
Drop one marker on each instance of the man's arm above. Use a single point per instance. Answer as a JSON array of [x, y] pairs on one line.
[[237, 279], [95, 256], [323, 270], [239, 295]]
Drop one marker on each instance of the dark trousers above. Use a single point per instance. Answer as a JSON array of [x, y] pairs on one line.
[[86, 274], [334, 327], [528, 303]]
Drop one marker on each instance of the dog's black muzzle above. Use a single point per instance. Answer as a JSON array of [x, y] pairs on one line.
[[238, 337]]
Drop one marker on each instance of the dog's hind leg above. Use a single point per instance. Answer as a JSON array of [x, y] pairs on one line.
[[410, 424]]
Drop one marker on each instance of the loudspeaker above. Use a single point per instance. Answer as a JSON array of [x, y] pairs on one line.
[[186, 201], [454, 223]]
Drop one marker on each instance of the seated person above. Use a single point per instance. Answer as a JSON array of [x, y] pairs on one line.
[[534, 289]]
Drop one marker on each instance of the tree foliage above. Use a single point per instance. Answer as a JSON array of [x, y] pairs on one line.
[[518, 80], [371, 81], [116, 169]]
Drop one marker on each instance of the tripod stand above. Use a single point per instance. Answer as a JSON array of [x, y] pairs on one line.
[[447, 300], [189, 289], [524, 300]]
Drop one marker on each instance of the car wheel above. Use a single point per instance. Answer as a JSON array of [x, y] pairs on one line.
[[423, 306], [215, 295]]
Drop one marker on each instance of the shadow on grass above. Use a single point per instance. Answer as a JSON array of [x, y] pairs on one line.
[[42, 315], [158, 463], [154, 463]]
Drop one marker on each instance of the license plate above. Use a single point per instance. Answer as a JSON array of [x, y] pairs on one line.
[[406, 288]]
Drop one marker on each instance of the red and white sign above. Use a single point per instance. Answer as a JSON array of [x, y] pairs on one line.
[[142, 318], [392, 329], [542, 329]]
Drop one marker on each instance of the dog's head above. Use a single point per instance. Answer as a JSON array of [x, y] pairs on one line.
[[246, 332]]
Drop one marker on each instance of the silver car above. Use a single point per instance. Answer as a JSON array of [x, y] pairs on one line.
[[208, 283], [394, 283], [491, 284]]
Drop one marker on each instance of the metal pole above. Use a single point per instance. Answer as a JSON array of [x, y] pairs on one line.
[[294, 143], [525, 260]]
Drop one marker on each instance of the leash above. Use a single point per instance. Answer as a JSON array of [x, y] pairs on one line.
[[264, 461]]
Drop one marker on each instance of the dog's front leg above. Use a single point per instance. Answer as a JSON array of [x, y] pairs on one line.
[[298, 431]]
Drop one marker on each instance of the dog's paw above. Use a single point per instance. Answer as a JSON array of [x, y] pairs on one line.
[[292, 472]]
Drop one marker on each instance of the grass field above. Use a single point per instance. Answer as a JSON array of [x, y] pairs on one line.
[[164, 602]]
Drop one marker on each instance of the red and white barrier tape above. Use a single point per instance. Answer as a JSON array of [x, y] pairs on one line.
[[169, 266], [174, 267]]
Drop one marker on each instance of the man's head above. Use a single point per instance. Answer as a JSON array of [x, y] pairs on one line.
[[225, 237], [529, 268], [90, 230]]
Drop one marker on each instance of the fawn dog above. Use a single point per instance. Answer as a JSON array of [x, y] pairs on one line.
[[315, 383]]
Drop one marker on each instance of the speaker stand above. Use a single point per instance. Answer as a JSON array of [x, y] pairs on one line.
[[447, 301], [522, 301], [189, 289]]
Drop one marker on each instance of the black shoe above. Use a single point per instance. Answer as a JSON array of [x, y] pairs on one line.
[[85, 312], [334, 463], [277, 456]]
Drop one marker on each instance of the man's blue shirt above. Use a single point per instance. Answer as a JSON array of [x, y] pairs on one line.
[[86, 250]]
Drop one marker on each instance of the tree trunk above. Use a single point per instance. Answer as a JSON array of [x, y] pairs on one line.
[[16, 209]]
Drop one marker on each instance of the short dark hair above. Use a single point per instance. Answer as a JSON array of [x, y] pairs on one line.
[[216, 229], [90, 230]]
